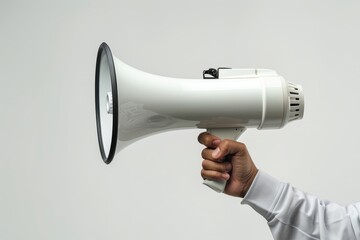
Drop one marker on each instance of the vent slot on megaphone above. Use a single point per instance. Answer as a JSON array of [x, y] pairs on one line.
[[295, 101]]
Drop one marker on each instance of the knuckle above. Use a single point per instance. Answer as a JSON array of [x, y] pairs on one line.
[[204, 164], [202, 137], [226, 142], [204, 153], [229, 146], [242, 147], [203, 174], [226, 145]]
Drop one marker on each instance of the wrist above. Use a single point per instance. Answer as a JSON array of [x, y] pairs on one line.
[[248, 181]]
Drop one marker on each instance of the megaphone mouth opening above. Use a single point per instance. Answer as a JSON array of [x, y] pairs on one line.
[[105, 85]]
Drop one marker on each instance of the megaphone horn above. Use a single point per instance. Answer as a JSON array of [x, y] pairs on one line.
[[132, 104]]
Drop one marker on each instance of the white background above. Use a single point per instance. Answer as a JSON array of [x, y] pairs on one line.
[[53, 183]]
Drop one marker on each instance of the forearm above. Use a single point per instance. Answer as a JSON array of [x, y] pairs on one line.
[[293, 214]]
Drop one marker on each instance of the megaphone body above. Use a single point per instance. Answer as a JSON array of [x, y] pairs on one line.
[[132, 104]]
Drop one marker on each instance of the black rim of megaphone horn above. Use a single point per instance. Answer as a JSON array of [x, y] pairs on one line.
[[106, 49]]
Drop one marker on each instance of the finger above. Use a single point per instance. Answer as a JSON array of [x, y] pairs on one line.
[[214, 166], [208, 140], [228, 147], [207, 153], [214, 175]]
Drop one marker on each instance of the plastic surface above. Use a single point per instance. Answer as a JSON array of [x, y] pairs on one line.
[[105, 85], [145, 104]]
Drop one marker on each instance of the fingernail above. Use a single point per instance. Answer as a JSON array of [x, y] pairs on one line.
[[228, 168], [226, 176], [216, 153]]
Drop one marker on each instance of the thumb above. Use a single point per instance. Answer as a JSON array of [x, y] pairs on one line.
[[228, 147], [209, 140]]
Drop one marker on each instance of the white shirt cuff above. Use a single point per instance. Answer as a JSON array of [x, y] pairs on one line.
[[263, 194]]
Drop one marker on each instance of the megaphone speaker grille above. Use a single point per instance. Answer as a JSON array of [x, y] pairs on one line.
[[106, 103]]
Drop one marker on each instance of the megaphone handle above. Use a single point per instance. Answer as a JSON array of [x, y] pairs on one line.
[[223, 133]]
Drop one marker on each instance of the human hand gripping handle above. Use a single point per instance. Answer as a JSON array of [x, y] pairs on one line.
[[227, 161], [222, 133]]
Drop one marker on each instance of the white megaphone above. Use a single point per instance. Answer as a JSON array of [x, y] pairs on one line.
[[132, 104]]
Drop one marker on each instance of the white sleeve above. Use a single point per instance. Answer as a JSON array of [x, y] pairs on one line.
[[293, 214]]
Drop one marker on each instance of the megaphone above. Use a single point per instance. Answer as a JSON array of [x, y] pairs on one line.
[[131, 104]]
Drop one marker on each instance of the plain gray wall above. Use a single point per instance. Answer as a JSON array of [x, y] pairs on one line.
[[53, 183]]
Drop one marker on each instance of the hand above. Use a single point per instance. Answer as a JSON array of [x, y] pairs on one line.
[[227, 160]]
